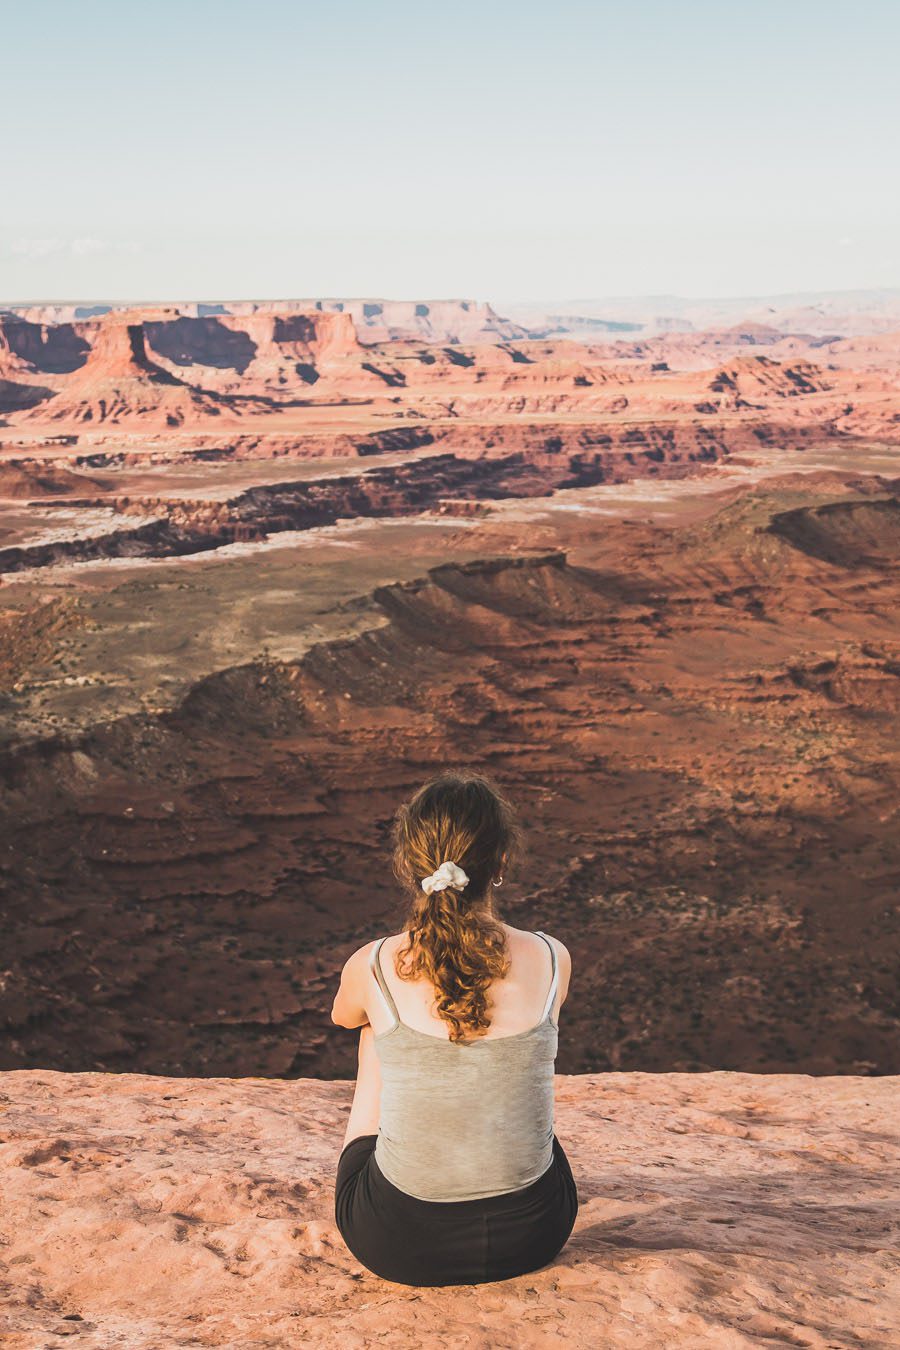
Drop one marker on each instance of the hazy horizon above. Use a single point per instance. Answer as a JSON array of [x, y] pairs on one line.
[[493, 301]]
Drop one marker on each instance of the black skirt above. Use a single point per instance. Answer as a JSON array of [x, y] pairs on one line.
[[406, 1240]]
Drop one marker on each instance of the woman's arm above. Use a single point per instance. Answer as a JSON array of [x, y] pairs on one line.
[[349, 1009]]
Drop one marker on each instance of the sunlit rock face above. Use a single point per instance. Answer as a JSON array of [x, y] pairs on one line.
[[716, 1210]]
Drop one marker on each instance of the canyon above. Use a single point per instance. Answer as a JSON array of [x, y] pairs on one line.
[[263, 568]]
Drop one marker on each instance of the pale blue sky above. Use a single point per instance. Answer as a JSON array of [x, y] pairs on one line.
[[487, 148]]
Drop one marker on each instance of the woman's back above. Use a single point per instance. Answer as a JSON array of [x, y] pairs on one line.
[[461, 1120], [516, 1001], [454, 1095]]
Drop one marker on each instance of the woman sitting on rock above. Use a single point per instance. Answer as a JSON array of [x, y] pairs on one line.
[[451, 1172]]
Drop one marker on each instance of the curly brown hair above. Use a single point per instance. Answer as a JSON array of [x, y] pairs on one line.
[[455, 938]]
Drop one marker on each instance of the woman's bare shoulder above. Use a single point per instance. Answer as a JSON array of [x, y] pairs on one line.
[[564, 958], [390, 945], [529, 933], [526, 934], [362, 956]]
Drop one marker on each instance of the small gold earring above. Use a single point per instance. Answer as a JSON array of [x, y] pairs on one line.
[[496, 883]]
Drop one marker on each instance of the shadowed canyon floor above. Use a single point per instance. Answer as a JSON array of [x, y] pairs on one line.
[[721, 1210], [651, 586]]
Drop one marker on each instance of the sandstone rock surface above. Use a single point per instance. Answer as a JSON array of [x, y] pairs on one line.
[[720, 1210]]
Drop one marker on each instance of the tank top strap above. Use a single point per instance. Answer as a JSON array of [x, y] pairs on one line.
[[375, 963], [554, 977]]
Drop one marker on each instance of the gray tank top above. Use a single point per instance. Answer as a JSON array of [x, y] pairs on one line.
[[460, 1121]]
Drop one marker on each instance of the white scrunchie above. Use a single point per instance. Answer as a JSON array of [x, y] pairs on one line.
[[448, 874]]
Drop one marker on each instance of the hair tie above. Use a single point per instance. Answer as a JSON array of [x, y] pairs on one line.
[[448, 874]]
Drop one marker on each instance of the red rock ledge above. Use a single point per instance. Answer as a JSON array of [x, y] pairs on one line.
[[717, 1209]]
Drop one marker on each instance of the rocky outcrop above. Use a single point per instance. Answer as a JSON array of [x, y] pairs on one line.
[[31, 479], [849, 533], [55, 348], [377, 320], [166, 369], [717, 1212], [385, 492], [16, 396]]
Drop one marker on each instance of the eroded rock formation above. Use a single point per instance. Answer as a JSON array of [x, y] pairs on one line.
[[166, 368], [264, 567]]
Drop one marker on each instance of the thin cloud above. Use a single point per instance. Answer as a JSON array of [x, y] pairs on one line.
[[35, 249]]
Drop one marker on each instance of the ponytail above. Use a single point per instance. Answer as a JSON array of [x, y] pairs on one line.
[[455, 940]]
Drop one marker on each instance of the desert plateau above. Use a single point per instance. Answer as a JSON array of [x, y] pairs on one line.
[[264, 566]]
